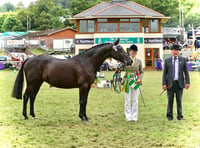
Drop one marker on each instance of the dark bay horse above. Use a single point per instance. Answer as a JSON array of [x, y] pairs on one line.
[[77, 72]]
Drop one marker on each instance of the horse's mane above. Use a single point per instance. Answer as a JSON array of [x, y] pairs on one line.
[[93, 47]]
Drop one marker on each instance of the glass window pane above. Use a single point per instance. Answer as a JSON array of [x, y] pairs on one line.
[[107, 27], [113, 20], [90, 25], [154, 25], [124, 20], [129, 27], [149, 63], [83, 26], [134, 20], [102, 20]]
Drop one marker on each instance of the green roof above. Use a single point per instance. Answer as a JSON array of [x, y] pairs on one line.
[[14, 33]]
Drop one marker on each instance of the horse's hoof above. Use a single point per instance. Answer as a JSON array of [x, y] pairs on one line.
[[34, 118], [25, 118], [85, 121], [84, 118]]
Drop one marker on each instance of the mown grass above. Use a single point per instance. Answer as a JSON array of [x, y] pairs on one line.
[[58, 124], [37, 51]]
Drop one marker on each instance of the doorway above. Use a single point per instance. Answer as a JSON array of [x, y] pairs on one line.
[[151, 55]]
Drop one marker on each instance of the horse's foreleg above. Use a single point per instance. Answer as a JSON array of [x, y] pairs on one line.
[[83, 95]]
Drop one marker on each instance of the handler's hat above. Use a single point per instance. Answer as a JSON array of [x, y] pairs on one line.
[[176, 47], [133, 47]]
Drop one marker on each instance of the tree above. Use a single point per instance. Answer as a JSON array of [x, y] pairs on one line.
[[79, 6], [45, 15], [11, 23], [7, 7], [2, 18], [62, 3], [193, 18]]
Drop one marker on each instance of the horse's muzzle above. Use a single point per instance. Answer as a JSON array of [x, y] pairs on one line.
[[128, 62]]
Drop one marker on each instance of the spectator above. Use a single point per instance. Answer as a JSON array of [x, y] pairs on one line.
[[159, 64]]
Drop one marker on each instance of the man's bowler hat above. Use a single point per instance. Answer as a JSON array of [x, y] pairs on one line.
[[133, 47], [176, 47]]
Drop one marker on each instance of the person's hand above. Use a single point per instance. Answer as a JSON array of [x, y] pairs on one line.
[[164, 87], [187, 86], [138, 81]]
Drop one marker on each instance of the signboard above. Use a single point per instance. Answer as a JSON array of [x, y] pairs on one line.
[[15, 42], [84, 41], [62, 44], [123, 40], [153, 40]]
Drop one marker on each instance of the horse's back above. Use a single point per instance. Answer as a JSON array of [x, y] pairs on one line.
[[57, 72]]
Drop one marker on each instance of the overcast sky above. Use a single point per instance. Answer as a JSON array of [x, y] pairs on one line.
[[15, 2]]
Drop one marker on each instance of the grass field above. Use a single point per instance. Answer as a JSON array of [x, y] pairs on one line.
[[58, 125]]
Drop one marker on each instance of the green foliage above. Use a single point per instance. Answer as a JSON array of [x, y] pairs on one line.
[[58, 124], [193, 18], [2, 18], [62, 3], [48, 14], [79, 6], [36, 51], [11, 23], [7, 7]]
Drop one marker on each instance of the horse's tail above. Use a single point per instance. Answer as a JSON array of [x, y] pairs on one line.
[[18, 86]]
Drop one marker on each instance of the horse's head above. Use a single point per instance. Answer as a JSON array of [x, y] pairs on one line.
[[119, 53]]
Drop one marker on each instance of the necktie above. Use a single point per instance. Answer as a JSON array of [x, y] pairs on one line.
[[173, 71]]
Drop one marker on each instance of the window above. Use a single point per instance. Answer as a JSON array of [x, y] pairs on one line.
[[134, 20], [145, 25], [87, 26], [107, 27], [83, 26], [154, 25], [102, 20], [90, 26], [129, 27], [124, 20]]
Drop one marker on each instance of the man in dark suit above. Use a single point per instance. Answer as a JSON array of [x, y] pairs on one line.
[[175, 78]]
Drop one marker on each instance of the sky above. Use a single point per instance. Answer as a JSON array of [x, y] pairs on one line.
[[15, 2]]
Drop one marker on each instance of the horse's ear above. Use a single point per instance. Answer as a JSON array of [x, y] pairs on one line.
[[116, 42]]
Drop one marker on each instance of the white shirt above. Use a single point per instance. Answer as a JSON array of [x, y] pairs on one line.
[[176, 67]]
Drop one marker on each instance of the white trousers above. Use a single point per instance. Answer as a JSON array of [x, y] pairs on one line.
[[131, 104]]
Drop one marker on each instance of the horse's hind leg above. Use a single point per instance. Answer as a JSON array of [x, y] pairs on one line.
[[31, 91], [32, 100], [25, 101]]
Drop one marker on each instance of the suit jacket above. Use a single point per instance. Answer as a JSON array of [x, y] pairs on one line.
[[183, 74], [136, 67]]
